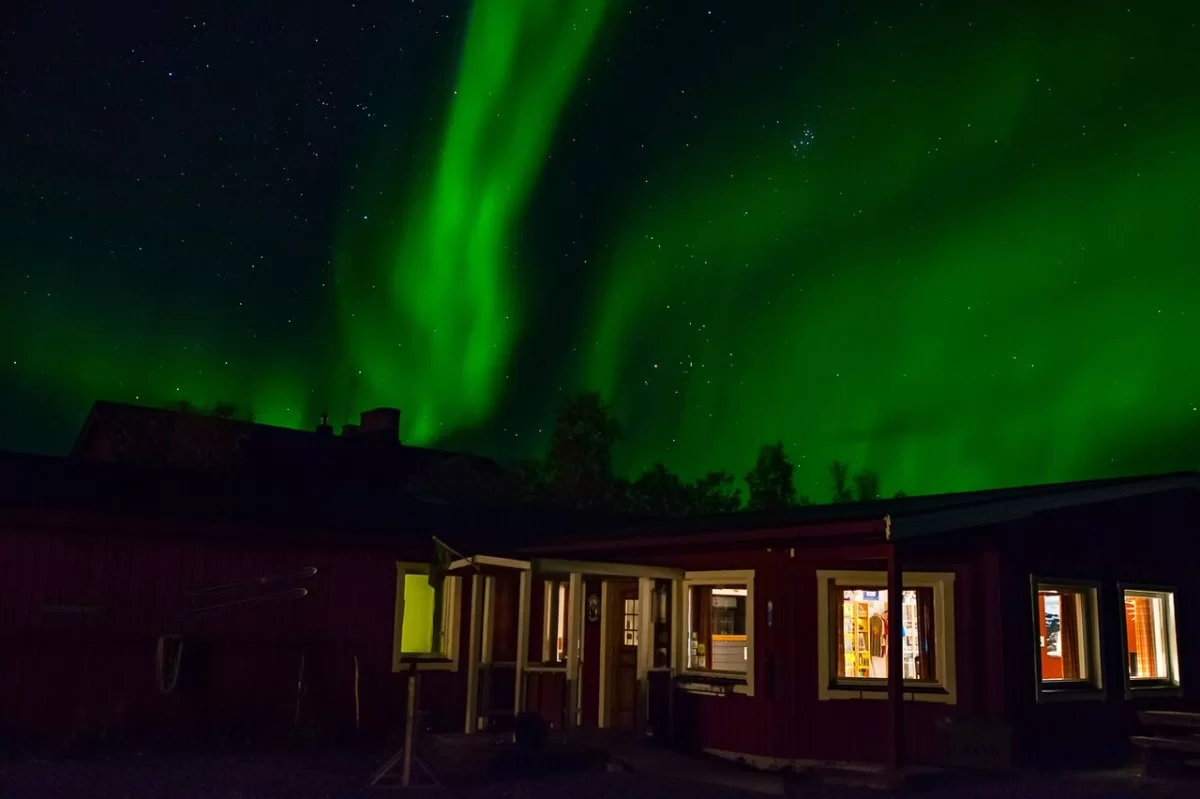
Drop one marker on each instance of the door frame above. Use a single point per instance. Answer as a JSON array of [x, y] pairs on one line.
[[645, 650]]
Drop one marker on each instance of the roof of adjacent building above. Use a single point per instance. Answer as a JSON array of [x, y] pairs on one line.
[[251, 505], [900, 518], [140, 435]]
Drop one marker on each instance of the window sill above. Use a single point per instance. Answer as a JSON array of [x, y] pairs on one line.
[[877, 690], [713, 684], [1086, 692], [1152, 690], [425, 663], [546, 667]]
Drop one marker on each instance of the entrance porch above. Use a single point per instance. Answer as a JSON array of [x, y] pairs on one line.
[[582, 644]]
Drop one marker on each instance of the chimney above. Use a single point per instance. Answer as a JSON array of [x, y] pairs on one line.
[[383, 423], [323, 429]]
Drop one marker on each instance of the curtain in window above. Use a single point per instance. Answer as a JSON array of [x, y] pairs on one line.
[[927, 659]]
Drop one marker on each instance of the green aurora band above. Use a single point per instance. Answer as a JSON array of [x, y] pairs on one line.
[[994, 266], [959, 249], [429, 307]]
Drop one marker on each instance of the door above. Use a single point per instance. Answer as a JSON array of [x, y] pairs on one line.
[[623, 651]]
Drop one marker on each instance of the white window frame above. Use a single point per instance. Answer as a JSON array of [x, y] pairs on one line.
[[745, 681], [451, 622], [1092, 688], [1171, 684], [942, 690]]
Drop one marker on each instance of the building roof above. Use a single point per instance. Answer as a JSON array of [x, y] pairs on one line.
[[898, 519], [242, 505], [140, 435]]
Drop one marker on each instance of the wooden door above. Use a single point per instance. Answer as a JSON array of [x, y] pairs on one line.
[[623, 643]]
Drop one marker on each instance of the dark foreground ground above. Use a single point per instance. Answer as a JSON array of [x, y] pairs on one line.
[[340, 776]]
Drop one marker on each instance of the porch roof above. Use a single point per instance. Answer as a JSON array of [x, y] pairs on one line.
[[495, 564]]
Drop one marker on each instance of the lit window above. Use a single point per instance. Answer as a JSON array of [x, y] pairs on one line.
[[421, 630], [554, 640], [1067, 636], [1150, 637], [864, 621], [854, 632], [718, 637], [630, 623], [425, 620]]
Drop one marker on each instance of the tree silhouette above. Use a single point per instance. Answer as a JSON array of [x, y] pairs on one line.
[[577, 472], [840, 473], [771, 480], [579, 463], [866, 485], [660, 492], [716, 492]]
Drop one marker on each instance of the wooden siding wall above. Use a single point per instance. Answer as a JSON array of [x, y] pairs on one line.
[[85, 677], [785, 719], [1132, 542]]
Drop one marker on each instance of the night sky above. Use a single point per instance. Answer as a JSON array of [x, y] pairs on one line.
[[955, 242]]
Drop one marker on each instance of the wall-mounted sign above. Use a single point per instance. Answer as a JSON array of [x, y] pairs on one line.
[[593, 607]]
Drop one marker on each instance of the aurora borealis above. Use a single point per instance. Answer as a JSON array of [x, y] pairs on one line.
[[433, 295], [957, 245]]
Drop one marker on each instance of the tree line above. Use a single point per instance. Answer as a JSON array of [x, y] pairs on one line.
[[577, 471]]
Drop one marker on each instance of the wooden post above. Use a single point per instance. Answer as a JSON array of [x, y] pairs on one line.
[[895, 660], [471, 722], [523, 605], [645, 652], [574, 639], [410, 727]]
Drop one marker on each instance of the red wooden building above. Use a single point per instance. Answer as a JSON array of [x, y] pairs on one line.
[[1034, 624], [271, 555]]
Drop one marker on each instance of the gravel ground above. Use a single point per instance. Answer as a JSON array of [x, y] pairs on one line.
[[341, 776]]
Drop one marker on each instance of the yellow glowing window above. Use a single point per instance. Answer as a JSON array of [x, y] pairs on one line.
[[421, 630], [425, 619]]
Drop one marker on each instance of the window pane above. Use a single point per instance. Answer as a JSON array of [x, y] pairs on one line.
[[421, 633], [717, 638], [556, 622], [1146, 634], [1063, 622], [863, 620]]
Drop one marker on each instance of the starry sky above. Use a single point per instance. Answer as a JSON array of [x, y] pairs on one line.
[[954, 242]]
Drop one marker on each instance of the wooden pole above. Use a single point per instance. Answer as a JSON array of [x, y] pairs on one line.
[[299, 693], [574, 639], [526, 589], [410, 727], [895, 660], [357, 702]]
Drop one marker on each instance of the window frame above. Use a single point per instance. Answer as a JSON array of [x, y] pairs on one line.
[[451, 623], [742, 682], [1089, 689], [1171, 685], [942, 689]]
